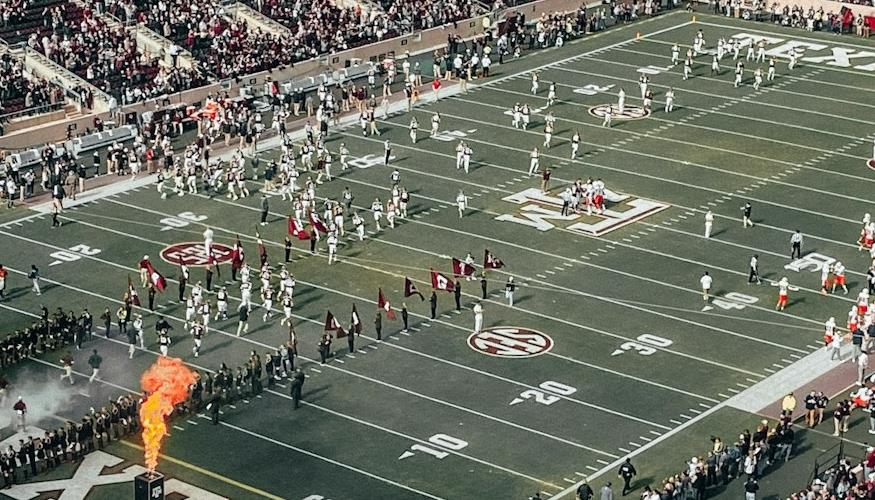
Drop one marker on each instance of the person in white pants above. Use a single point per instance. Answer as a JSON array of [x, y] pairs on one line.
[[709, 223], [478, 317]]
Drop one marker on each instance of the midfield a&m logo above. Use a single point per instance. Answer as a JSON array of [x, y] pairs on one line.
[[543, 212], [194, 254]]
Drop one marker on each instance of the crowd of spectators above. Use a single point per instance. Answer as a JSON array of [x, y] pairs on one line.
[[844, 481], [748, 459], [21, 93], [793, 16], [322, 26], [410, 15], [107, 57], [39, 16]]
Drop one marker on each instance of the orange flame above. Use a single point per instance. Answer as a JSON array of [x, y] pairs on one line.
[[167, 382]]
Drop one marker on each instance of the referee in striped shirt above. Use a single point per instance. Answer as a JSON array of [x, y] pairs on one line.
[[796, 245]]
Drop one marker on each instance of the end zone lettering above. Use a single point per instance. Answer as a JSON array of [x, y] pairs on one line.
[[194, 254], [542, 212]]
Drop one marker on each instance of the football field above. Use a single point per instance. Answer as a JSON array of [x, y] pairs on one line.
[[609, 349]]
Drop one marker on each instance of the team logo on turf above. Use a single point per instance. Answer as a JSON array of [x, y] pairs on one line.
[[542, 211], [194, 254], [871, 163], [629, 112], [510, 342]]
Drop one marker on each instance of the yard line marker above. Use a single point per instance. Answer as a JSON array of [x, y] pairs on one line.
[[812, 346], [338, 361], [393, 337], [703, 405], [179, 428], [549, 271], [796, 356], [316, 370], [541, 276], [590, 467], [685, 417], [372, 346], [348, 355], [724, 396], [281, 385], [560, 268], [776, 365], [447, 316], [361, 351], [425, 324], [634, 444], [192, 422], [676, 422], [624, 450], [232, 406], [635, 236], [645, 438], [404, 333], [734, 391], [769, 370], [572, 481], [743, 386], [697, 412], [786, 360], [414, 329], [754, 381], [603, 462], [568, 264]]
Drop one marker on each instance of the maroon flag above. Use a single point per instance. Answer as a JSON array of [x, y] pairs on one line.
[[296, 229], [355, 321], [155, 277], [410, 289], [317, 223], [237, 255], [332, 325], [441, 282], [383, 304], [491, 261], [462, 268]]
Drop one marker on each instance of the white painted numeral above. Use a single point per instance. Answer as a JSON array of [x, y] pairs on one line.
[[735, 301], [65, 256], [72, 254], [645, 344], [181, 220], [84, 250], [551, 393], [442, 440], [592, 89]]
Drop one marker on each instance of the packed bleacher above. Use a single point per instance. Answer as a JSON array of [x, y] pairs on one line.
[[37, 17], [226, 47], [107, 57], [321, 26], [20, 93], [424, 14]]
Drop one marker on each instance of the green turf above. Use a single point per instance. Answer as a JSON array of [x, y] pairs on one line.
[[720, 147]]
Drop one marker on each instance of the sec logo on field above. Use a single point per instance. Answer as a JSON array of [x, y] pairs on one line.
[[629, 112], [194, 254], [510, 342]]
